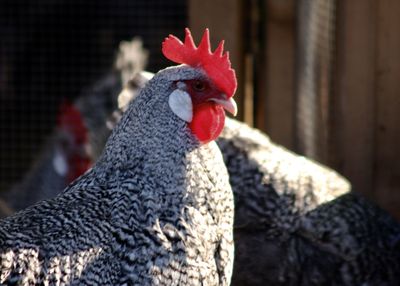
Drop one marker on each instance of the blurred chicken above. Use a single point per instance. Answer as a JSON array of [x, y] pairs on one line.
[[81, 132], [289, 211], [348, 241], [99, 101], [62, 160]]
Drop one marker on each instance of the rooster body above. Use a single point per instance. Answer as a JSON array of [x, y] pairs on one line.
[[156, 209]]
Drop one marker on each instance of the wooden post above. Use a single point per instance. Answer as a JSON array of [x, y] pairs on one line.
[[352, 136], [224, 19], [314, 54], [387, 105], [367, 101], [276, 76]]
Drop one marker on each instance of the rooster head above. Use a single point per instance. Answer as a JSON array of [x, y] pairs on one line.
[[201, 99]]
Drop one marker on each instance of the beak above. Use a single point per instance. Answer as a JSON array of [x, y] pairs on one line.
[[228, 104]]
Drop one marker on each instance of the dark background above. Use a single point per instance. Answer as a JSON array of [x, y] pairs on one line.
[[51, 49]]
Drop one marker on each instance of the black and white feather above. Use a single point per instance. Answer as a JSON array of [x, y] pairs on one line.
[[156, 209]]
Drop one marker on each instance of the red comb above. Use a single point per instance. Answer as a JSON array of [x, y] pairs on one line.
[[70, 119], [216, 65]]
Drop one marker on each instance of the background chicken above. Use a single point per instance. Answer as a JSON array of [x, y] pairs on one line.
[[63, 159], [348, 241], [81, 131], [157, 207], [286, 219], [99, 101]]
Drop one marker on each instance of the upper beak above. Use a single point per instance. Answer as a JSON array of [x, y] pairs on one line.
[[228, 104]]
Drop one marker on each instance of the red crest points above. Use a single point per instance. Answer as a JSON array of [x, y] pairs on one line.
[[216, 64]]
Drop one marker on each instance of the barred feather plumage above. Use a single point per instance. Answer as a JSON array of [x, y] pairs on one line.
[[156, 209]]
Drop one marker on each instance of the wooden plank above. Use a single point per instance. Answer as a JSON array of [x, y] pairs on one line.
[[224, 19], [388, 106], [276, 83], [251, 52], [353, 104]]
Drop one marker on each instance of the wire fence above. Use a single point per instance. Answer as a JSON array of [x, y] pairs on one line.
[[315, 51], [51, 50]]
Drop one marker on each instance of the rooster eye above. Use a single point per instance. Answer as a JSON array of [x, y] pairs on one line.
[[198, 85]]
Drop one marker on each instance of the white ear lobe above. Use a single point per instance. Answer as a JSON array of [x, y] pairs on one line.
[[181, 104], [60, 164]]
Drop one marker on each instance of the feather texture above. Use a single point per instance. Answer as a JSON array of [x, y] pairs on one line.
[[156, 209]]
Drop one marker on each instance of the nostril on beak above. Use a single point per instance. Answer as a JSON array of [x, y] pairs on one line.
[[229, 104]]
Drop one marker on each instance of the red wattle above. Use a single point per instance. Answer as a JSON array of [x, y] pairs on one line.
[[78, 166], [208, 121]]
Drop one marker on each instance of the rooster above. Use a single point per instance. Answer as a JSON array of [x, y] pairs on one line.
[[297, 222], [157, 207], [81, 132]]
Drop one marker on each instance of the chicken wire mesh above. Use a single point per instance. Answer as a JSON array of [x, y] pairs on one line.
[[315, 51], [51, 51]]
